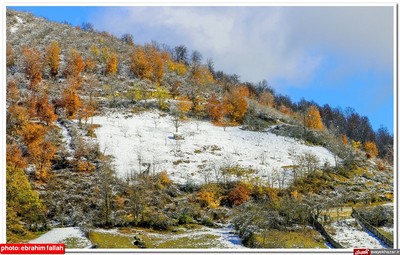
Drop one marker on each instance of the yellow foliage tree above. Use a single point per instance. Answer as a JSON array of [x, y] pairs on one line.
[[313, 118], [184, 106], [53, 58], [371, 149], [356, 144], [176, 67], [112, 64]]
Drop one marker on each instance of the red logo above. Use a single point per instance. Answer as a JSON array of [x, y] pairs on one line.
[[362, 252]]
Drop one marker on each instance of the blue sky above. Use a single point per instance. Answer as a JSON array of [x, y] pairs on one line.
[[342, 56]]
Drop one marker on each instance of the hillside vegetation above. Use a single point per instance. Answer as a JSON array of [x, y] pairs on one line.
[[105, 133]]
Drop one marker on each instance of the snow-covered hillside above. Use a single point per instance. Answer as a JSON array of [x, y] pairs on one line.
[[146, 141]]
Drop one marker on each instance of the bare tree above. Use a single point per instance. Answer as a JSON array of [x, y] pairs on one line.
[[124, 129]]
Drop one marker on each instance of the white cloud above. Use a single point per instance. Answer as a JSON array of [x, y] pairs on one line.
[[264, 42]]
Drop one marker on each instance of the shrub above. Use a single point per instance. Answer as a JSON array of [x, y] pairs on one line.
[[239, 194]]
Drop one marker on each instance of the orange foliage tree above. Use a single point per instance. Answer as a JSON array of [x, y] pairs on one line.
[[75, 65], [371, 149], [237, 99], [201, 76], [140, 66], [313, 118], [17, 118], [33, 64], [14, 157], [157, 63], [39, 149], [71, 102], [12, 91], [217, 109], [53, 58], [239, 194], [344, 139], [147, 63], [266, 99], [10, 56], [44, 110]]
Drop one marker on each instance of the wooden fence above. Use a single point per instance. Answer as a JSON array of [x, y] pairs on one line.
[[318, 226], [372, 229]]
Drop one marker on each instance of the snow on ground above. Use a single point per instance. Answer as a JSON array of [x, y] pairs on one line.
[[387, 229], [350, 235], [146, 141], [67, 139], [64, 235], [15, 28], [227, 239]]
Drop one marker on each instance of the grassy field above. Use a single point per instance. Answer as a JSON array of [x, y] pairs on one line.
[[294, 239], [188, 237]]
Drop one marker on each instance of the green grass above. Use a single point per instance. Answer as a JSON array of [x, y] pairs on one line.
[[386, 234], [74, 243], [292, 239], [195, 242], [111, 240], [14, 238], [171, 239]]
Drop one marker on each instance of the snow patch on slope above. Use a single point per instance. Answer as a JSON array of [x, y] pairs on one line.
[[61, 235], [350, 234], [14, 29], [146, 141]]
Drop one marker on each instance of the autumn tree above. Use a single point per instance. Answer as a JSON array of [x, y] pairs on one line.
[[40, 151], [312, 118], [71, 102], [17, 117], [14, 157], [238, 103], [216, 109], [266, 99], [184, 106], [157, 63], [75, 66], [91, 59], [53, 58], [371, 149], [176, 67], [10, 56], [239, 194], [210, 196], [140, 66], [112, 64], [12, 91], [162, 95], [33, 64], [344, 139], [44, 110]]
